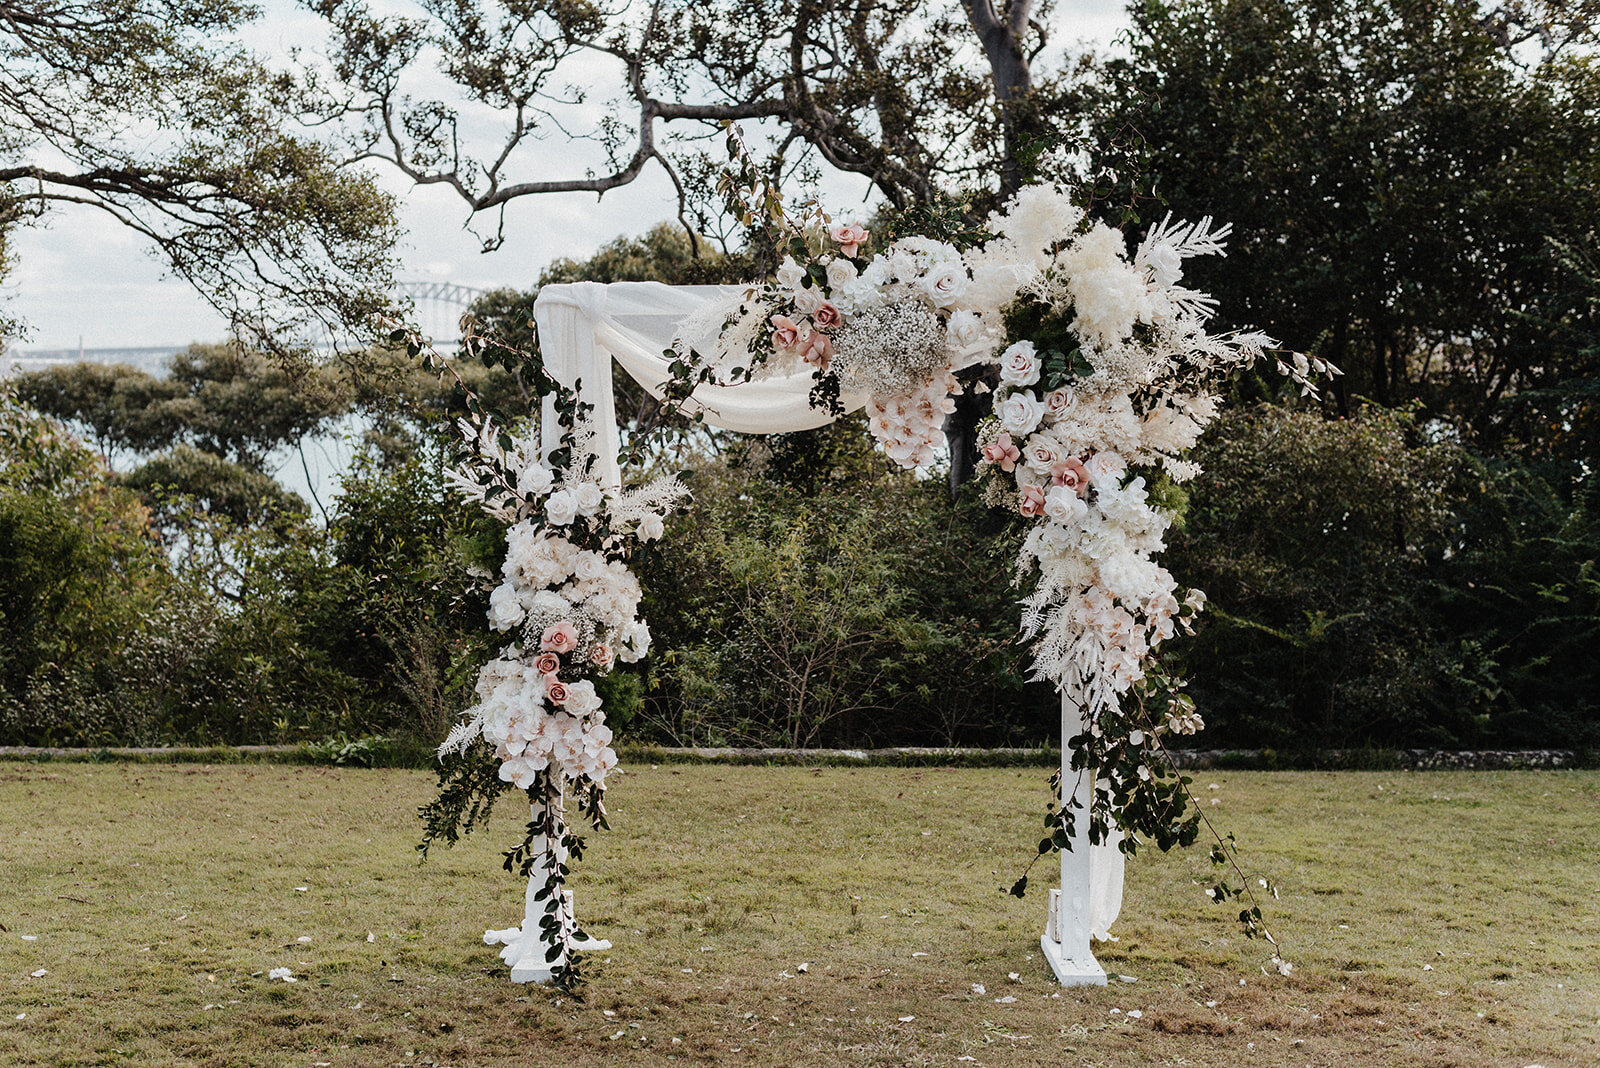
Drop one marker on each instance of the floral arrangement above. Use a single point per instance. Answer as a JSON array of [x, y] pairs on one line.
[[569, 606]]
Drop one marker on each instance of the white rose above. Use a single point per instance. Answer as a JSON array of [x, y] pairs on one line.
[[581, 698], [1058, 401], [841, 272], [1105, 469], [651, 527], [1020, 413], [589, 498], [1018, 365], [1040, 453], [807, 300], [561, 508], [944, 283], [1064, 506], [1165, 263], [790, 274], [549, 602], [535, 480], [635, 641], [591, 565], [965, 328], [505, 610]]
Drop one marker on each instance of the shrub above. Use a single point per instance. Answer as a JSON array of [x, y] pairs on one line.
[[865, 611]]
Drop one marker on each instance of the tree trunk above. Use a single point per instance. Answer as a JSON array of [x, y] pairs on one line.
[[961, 426], [1001, 36]]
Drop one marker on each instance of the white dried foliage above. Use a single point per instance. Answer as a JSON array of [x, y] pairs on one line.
[[657, 497]]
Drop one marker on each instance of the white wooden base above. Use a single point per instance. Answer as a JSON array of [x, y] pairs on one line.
[[527, 959], [1071, 972], [1075, 913], [524, 950]]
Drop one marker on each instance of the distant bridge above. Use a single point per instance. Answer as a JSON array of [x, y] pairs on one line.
[[438, 308]]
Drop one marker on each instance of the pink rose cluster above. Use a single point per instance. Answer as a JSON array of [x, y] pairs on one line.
[[850, 236], [806, 332], [807, 339]]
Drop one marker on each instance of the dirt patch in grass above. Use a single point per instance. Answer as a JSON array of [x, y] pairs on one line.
[[1433, 919]]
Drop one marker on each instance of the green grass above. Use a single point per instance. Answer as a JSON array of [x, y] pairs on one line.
[[155, 891]]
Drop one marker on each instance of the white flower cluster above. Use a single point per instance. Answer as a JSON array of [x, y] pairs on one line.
[[567, 595], [535, 721], [548, 580], [910, 427], [1136, 392]]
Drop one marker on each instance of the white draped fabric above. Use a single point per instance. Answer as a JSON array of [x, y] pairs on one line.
[[585, 325]]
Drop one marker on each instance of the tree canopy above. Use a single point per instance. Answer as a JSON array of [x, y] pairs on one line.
[[153, 113], [1395, 176], [225, 399], [914, 95]]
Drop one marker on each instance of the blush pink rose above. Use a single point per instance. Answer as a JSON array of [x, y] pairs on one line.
[[547, 663], [1001, 451], [817, 349], [601, 655], [1070, 473], [785, 333], [851, 236], [557, 692], [1032, 500], [826, 316], [559, 638]]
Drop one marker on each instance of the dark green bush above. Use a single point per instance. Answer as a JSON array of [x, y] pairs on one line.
[[1371, 586]]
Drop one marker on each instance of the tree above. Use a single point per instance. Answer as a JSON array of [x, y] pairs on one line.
[[118, 406], [150, 112], [1394, 177], [893, 90], [76, 556], [227, 400]]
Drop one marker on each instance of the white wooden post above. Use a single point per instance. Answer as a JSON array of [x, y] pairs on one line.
[[524, 949], [1068, 925]]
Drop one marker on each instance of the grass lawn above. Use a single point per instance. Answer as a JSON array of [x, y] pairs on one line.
[[1433, 919]]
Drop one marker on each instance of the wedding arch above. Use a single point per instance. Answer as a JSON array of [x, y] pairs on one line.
[[1107, 376]]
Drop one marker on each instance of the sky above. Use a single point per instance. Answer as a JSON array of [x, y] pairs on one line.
[[81, 278]]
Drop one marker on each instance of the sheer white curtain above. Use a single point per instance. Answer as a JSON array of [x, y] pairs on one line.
[[583, 326]]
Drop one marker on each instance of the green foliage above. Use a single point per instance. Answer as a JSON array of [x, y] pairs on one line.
[[858, 611], [1370, 586], [184, 481], [153, 112], [1522, 596], [1393, 177], [250, 629], [245, 404], [224, 399], [405, 616], [1312, 539], [79, 570], [664, 253], [120, 407], [367, 751]]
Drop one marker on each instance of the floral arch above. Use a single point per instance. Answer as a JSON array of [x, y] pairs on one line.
[[1107, 376]]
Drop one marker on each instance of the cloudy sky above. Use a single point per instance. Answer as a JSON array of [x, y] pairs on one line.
[[80, 276]]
